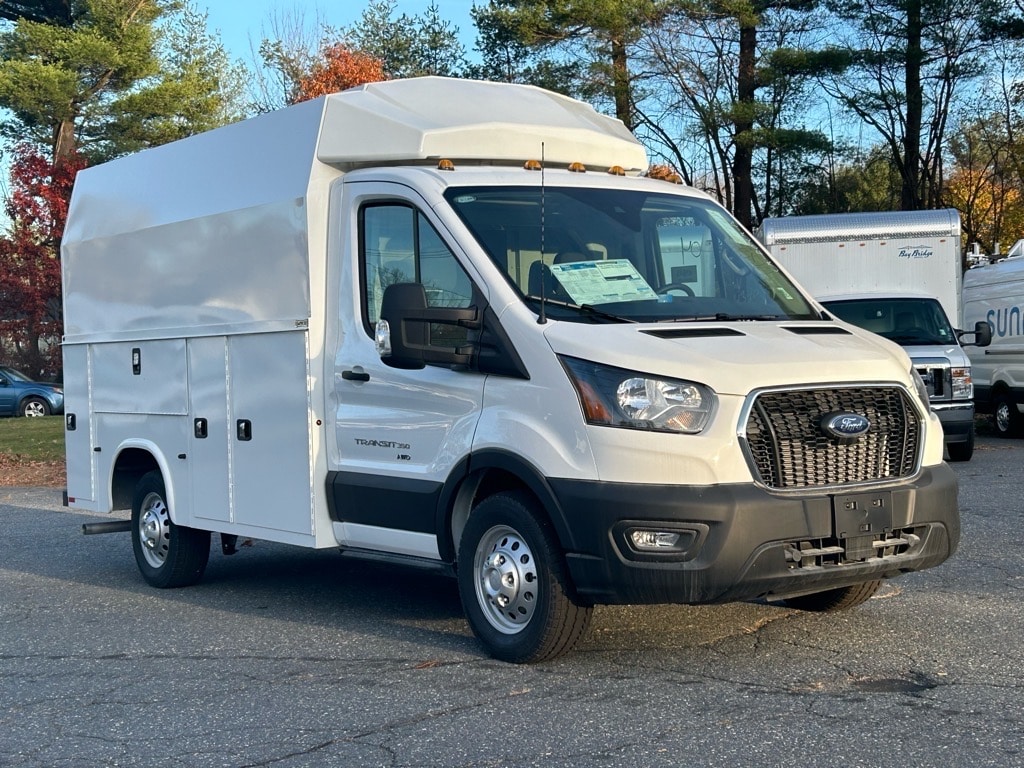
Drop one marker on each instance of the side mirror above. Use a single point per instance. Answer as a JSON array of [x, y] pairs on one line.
[[982, 335], [403, 331]]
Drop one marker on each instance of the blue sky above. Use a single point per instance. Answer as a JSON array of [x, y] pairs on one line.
[[240, 21]]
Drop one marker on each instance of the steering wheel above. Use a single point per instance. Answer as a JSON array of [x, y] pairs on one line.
[[676, 287]]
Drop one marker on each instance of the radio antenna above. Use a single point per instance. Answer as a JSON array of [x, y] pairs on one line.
[[542, 318]]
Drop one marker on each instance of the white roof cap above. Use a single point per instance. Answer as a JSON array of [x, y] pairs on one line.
[[469, 120]]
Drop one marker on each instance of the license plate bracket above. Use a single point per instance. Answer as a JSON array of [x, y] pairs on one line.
[[862, 514]]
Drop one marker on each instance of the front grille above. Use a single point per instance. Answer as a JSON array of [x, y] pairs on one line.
[[789, 449], [937, 380]]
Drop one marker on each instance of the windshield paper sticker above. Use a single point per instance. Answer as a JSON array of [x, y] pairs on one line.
[[602, 282]]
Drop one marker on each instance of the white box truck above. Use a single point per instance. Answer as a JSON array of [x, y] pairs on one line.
[[377, 322], [994, 294], [898, 275]]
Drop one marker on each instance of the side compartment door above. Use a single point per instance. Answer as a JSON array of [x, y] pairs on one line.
[[268, 418], [399, 432], [210, 439], [78, 424], [249, 442]]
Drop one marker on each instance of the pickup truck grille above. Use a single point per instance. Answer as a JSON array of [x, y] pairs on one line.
[[788, 448]]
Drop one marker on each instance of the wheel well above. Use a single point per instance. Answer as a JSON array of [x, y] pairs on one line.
[[999, 389], [130, 466], [475, 489]]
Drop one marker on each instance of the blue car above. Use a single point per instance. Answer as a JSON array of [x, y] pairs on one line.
[[20, 396]]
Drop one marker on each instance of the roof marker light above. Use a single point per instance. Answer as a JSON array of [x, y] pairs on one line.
[[617, 170], [532, 165], [664, 173], [445, 165], [577, 168]]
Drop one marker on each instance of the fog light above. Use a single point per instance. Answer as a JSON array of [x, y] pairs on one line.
[[648, 541]]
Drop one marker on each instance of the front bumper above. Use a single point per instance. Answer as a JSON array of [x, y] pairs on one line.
[[957, 420], [741, 542]]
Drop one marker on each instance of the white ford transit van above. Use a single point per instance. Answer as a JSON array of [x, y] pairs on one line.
[[993, 294], [451, 324]]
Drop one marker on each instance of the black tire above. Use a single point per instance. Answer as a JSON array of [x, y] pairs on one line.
[[34, 406], [962, 451], [168, 555], [835, 599], [1005, 415], [514, 583]]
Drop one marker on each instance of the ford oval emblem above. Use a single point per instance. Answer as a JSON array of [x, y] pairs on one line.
[[844, 425]]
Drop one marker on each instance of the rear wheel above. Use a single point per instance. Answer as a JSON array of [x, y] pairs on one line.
[[168, 555], [34, 406], [835, 599], [1006, 417], [514, 583]]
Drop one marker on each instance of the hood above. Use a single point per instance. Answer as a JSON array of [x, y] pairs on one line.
[[951, 352], [738, 357]]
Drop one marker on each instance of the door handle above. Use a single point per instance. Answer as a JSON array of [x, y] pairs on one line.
[[355, 375]]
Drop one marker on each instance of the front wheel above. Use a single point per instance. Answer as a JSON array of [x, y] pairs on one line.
[[35, 406], [168, 555], [514, 583], [835, 599]]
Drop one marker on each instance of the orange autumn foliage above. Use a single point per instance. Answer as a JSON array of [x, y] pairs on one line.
[[340, 68]]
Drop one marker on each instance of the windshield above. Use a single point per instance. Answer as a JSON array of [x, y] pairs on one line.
[[613, 255], [907, 321], [14, 374]]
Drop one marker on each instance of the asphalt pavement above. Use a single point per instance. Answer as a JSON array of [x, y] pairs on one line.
[[288, 657]]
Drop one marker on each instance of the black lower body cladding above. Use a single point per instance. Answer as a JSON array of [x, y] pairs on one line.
[[741, 542]]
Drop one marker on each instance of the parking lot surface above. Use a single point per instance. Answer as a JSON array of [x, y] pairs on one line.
[[288, 657]]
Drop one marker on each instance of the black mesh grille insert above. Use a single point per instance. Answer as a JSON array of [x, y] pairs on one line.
[[790, 450]]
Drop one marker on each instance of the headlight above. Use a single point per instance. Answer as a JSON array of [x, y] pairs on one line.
[[615, 397], [963, 387]]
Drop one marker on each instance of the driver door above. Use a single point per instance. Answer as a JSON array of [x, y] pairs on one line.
[[400, 433]]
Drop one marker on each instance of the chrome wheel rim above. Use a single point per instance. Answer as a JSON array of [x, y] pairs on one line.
[[506, 579], [1003, 417], [154, 530], [34, 408]]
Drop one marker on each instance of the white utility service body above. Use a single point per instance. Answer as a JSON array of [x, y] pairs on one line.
[[994, 294], [897, 274], [374, 321]]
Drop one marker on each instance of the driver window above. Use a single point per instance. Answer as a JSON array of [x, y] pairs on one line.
[[398, 245]]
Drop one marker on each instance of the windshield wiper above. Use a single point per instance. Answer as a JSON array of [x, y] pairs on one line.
[[919, 338], [584, 309], [726, 316]]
